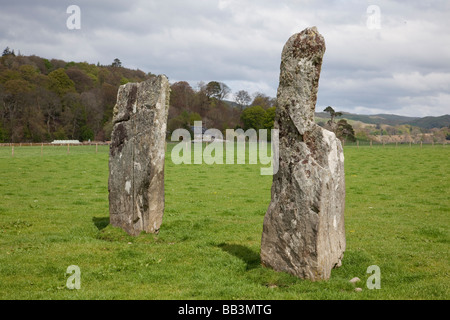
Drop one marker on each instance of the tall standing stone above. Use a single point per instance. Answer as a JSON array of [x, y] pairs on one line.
[[303, 231], [137, 153]]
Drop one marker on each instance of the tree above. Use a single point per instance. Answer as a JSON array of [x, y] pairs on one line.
[[3, 134], [28, 72], [86, 133], [60, 82], [116, 63], [17, 87], [333, 114], [31, 118], [212, 89], [242, 98], [181, 95], [224, 91], [269, 121], [184, 120], [81, 80], [269, 118], [93, 108], [253, 117], [50, 105], [7, 51], [218, 90], [260, 99], [109, 97], [345, 131], [342, 129]]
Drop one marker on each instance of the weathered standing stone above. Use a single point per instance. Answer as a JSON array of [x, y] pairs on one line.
[[136, 158], [303, 231]]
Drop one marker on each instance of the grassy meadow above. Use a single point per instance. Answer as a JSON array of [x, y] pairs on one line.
[[54, 213]]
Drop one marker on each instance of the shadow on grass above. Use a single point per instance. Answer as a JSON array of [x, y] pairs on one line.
[[100, 223], [251, 258]]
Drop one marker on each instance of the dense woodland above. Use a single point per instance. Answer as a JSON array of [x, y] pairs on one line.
[[46, 100], [43, 100]]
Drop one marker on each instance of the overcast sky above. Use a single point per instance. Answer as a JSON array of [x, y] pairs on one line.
[[381, 57]]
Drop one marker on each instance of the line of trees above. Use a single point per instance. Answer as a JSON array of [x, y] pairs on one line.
[[45, 100]]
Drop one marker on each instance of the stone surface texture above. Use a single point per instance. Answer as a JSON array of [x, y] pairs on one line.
[[137, 153], [303, 231]]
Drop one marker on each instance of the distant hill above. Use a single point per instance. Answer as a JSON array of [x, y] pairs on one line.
[[393, 120], [432, 122]]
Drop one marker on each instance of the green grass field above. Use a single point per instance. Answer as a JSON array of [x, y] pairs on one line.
[[54, 213]]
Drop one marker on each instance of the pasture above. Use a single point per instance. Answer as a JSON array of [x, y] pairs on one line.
[[54, 213]]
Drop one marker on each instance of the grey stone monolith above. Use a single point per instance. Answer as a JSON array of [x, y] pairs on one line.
[[137, 154], [303, 231]]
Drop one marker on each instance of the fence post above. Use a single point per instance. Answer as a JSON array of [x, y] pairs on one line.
[[96, 147], [12, 152], [357, 144], [42, 149]]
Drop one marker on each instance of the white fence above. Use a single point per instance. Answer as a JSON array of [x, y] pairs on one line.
[[65, 142]]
